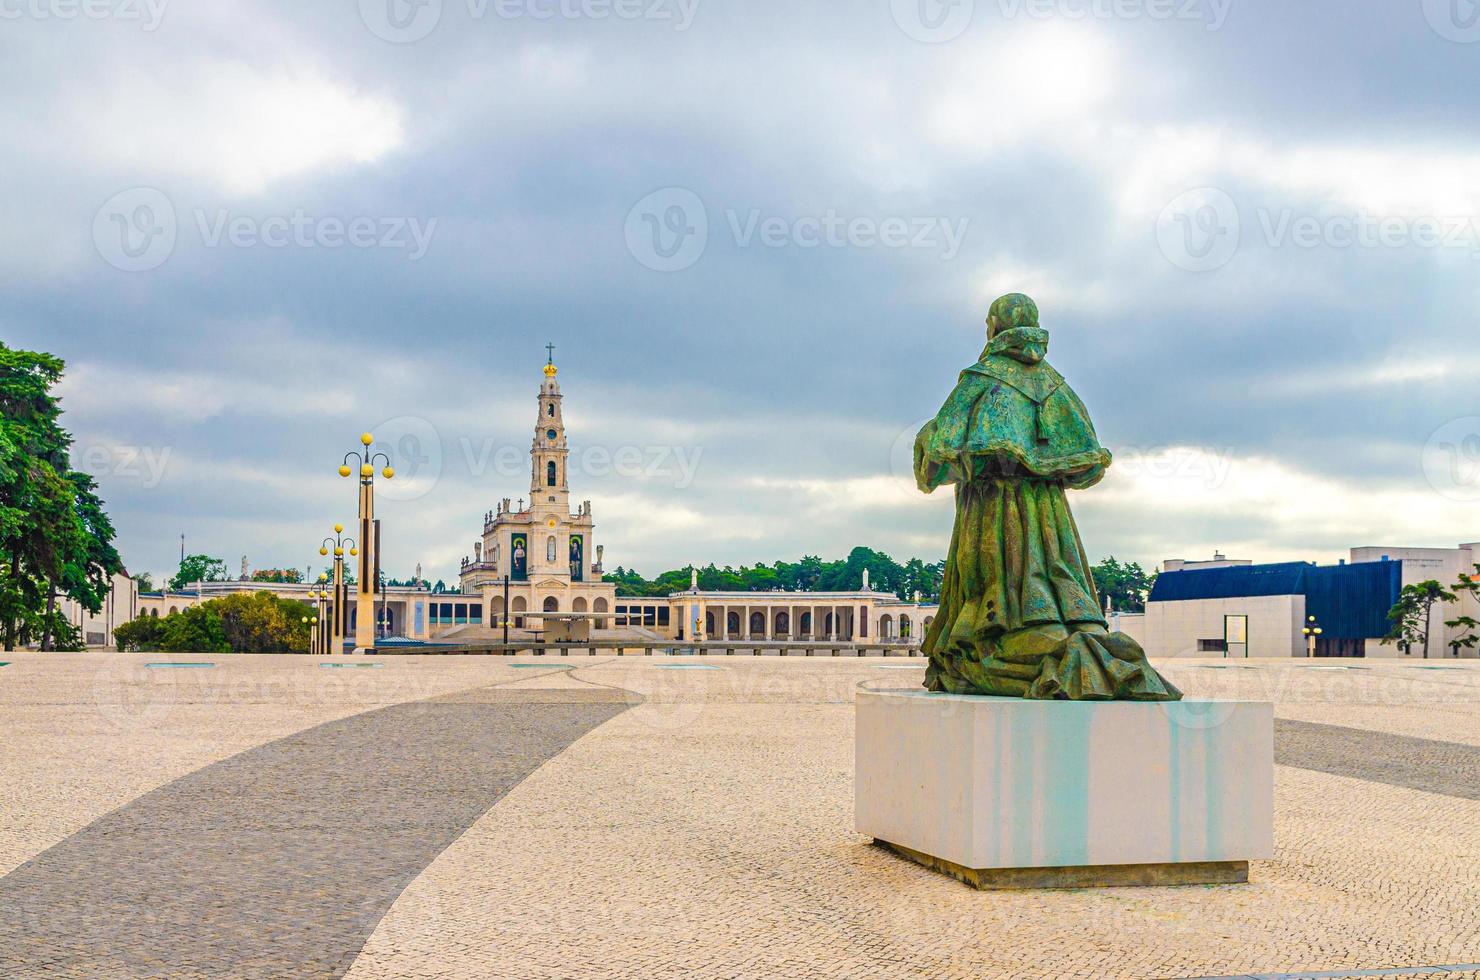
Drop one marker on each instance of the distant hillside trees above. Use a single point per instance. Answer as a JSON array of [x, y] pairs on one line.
[[810, 574]]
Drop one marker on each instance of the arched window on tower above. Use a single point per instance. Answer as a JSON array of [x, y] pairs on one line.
[[550, 549], [550, 473], [550, 410]]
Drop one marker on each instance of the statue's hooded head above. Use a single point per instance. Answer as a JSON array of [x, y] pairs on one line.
[[1011, 312], [1012, 329]]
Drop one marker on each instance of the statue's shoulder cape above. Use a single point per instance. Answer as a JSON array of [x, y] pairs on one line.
[[1009, 418], [1036, 381]]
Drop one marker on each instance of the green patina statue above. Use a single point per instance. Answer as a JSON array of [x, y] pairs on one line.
[[1019, 614]]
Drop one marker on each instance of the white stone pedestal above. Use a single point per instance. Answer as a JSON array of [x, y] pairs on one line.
[[1009, 793]]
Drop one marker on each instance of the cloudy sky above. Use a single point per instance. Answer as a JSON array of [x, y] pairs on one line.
[[763, 237]]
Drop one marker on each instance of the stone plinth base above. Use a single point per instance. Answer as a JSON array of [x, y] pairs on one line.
[[1009, 793], [1087, 876]]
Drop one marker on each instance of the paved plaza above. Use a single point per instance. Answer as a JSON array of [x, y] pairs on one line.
[[275, 816]]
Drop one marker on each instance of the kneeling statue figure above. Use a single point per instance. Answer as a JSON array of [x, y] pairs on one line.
[[1019, 614]]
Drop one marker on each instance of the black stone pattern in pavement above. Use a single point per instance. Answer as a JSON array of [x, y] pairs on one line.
[[280, 861], [1450, 768]]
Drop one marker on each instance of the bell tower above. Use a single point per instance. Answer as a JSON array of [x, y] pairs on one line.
[[549, 488]]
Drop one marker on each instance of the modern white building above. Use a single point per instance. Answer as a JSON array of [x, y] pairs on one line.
[[1239, 609]]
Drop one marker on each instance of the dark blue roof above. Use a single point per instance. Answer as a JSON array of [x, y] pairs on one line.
[[1348, 601], [1233, 582]]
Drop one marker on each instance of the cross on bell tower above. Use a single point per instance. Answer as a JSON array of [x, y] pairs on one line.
[[548, 453]]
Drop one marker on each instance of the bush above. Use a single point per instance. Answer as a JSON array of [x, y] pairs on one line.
[[258, 622], [143, 634]]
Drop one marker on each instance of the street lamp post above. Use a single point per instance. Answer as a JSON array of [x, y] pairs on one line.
[[339, 611], [1311, 631], [369, 574], [506, 610], [320, 596]]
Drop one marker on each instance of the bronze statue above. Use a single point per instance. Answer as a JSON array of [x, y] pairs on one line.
[[1019, 614]]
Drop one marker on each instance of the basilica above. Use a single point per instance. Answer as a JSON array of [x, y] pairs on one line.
[[540, 556], [537, 567]]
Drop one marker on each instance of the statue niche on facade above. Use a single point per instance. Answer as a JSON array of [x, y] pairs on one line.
[[1019, 614]]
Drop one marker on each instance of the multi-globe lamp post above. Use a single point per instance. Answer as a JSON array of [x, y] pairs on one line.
[[338, 607], [311, 623], [1312, 630], [369, 573], [320, 596]]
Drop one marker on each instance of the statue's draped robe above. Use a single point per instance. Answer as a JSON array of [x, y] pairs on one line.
[[1019, 615]]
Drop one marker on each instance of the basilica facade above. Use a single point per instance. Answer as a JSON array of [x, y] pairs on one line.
[[539, 555]]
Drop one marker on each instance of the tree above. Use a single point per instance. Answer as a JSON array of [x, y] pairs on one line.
[[261, 622], [198, 568], [88, 561], [1412, 614], [55, 539], [194, 629], [1467, 585], [144, 582], [1126, 584]]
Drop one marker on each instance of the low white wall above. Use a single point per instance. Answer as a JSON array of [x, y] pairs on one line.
[[1132, 625], [1173, 628]]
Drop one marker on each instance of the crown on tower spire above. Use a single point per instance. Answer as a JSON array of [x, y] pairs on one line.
[[550, 368]]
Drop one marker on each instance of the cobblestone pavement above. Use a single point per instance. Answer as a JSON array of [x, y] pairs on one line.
[[279, 861], [707, 833], [704, 832]]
